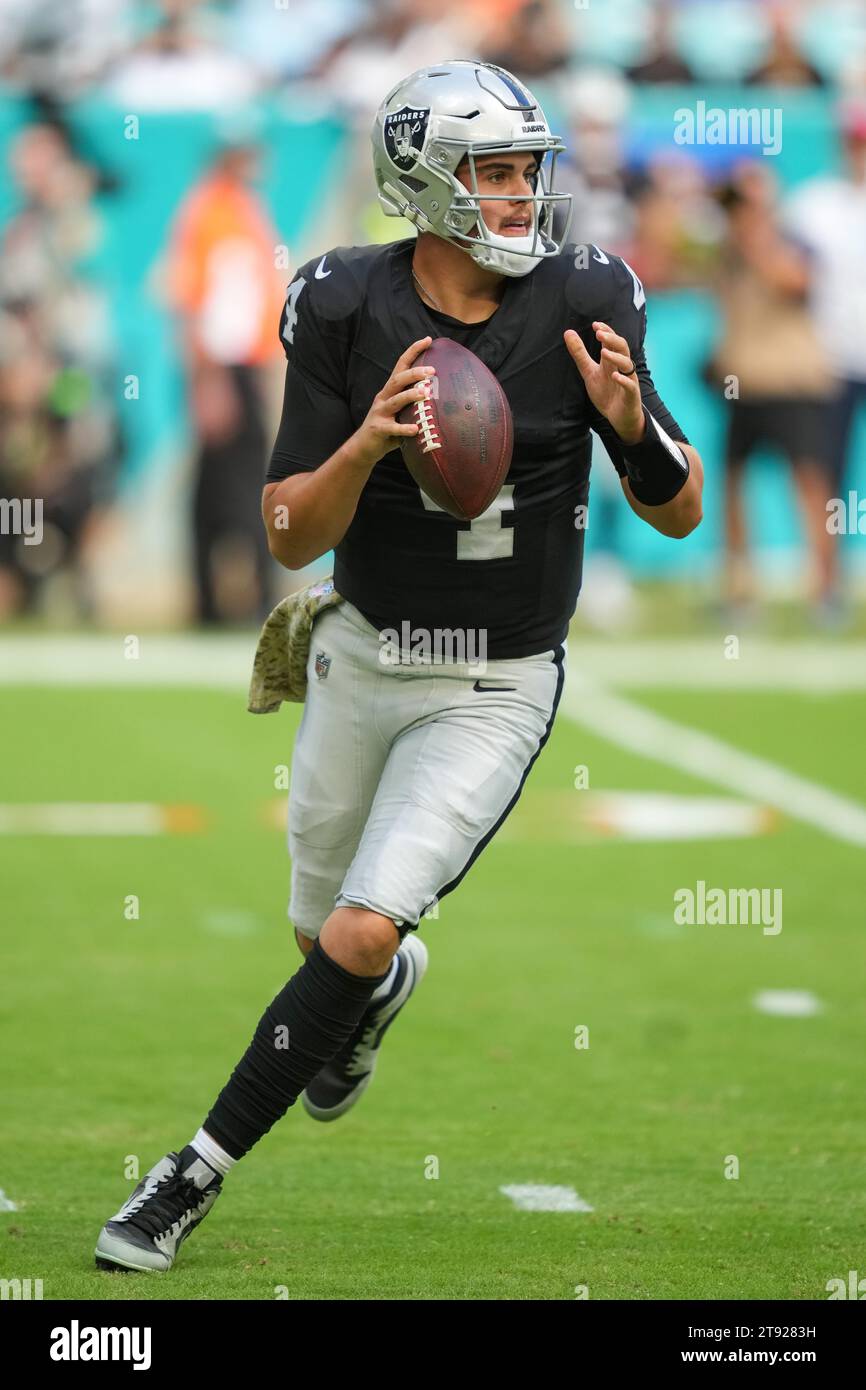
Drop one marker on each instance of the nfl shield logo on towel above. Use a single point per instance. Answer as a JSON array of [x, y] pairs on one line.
[[323, 665]]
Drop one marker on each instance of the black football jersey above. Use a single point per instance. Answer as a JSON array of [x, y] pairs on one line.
[[513, 573]]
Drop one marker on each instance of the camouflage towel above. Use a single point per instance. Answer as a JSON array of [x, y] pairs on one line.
[[280, 663]]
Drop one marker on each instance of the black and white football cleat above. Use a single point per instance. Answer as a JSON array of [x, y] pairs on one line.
[[168, 1203], [344, 1079]]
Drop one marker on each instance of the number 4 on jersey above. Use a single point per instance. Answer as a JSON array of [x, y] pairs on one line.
[[486, 538], [291, 308]]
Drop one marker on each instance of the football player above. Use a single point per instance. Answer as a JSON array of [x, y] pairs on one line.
[[403, 770]]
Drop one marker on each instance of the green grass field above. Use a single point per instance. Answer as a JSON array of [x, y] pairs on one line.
[[117, 1034]]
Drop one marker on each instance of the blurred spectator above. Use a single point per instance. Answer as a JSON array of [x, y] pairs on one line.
[[532, 42], [55, 229], [771, 369], [829, 215], [59, 433], [398, 37], [179, 67], [785, 65], [222, 283], [677, 227], [851, 70], [662, 62], [592, 168], [57, 51], [286, 42], [357, 73]]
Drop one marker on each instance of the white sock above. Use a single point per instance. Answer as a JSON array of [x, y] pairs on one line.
[[385, 987], [212, 1152]]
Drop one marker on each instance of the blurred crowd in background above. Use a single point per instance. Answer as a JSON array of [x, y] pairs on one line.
[[786, 266]]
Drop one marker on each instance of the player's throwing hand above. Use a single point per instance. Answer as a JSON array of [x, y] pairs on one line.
[[376, 436], [612, 383]]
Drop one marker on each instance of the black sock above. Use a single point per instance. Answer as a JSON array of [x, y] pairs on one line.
[[301, 1030]]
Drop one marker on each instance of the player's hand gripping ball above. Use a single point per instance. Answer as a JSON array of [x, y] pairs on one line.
[[462, 451]]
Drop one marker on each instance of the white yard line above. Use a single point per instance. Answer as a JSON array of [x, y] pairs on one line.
[[193, 660], [650, 735], [701, 664], [538, 1197], [181, 659], [225, 662], [98, 818], [787, 1003]]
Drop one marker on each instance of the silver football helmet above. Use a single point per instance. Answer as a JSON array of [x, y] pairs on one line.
[[462, 109]]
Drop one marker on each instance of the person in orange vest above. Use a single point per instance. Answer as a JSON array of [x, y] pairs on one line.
[[223, 284]]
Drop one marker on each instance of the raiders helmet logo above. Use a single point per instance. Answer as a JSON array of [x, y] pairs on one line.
[[404, 133]]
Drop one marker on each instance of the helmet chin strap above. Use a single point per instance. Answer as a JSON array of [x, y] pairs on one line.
[[493, 251], [496, 253]]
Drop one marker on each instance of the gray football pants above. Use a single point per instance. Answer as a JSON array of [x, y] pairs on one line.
[[402, 773]]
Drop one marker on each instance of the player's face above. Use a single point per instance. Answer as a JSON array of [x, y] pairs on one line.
[[508, 177]]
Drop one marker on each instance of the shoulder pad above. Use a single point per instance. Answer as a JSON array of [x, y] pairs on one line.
[[325, 294], [317, 323], [332, 290], [600, 285]]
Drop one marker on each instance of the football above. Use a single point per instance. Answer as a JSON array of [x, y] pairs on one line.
[[462, 451]]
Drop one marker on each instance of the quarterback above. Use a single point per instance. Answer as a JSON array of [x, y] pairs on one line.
[[404, 770]]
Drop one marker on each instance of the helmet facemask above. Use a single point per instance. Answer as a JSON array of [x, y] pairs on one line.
[[464, 223]]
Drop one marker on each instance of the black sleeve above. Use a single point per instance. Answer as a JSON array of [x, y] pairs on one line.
[[603, 286], [313, 425], [316, 324], [654, 404]]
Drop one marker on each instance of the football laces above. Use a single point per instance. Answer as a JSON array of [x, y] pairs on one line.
[[426, 422]]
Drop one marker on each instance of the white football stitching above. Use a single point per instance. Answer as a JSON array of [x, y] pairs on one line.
[[427, 425]]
